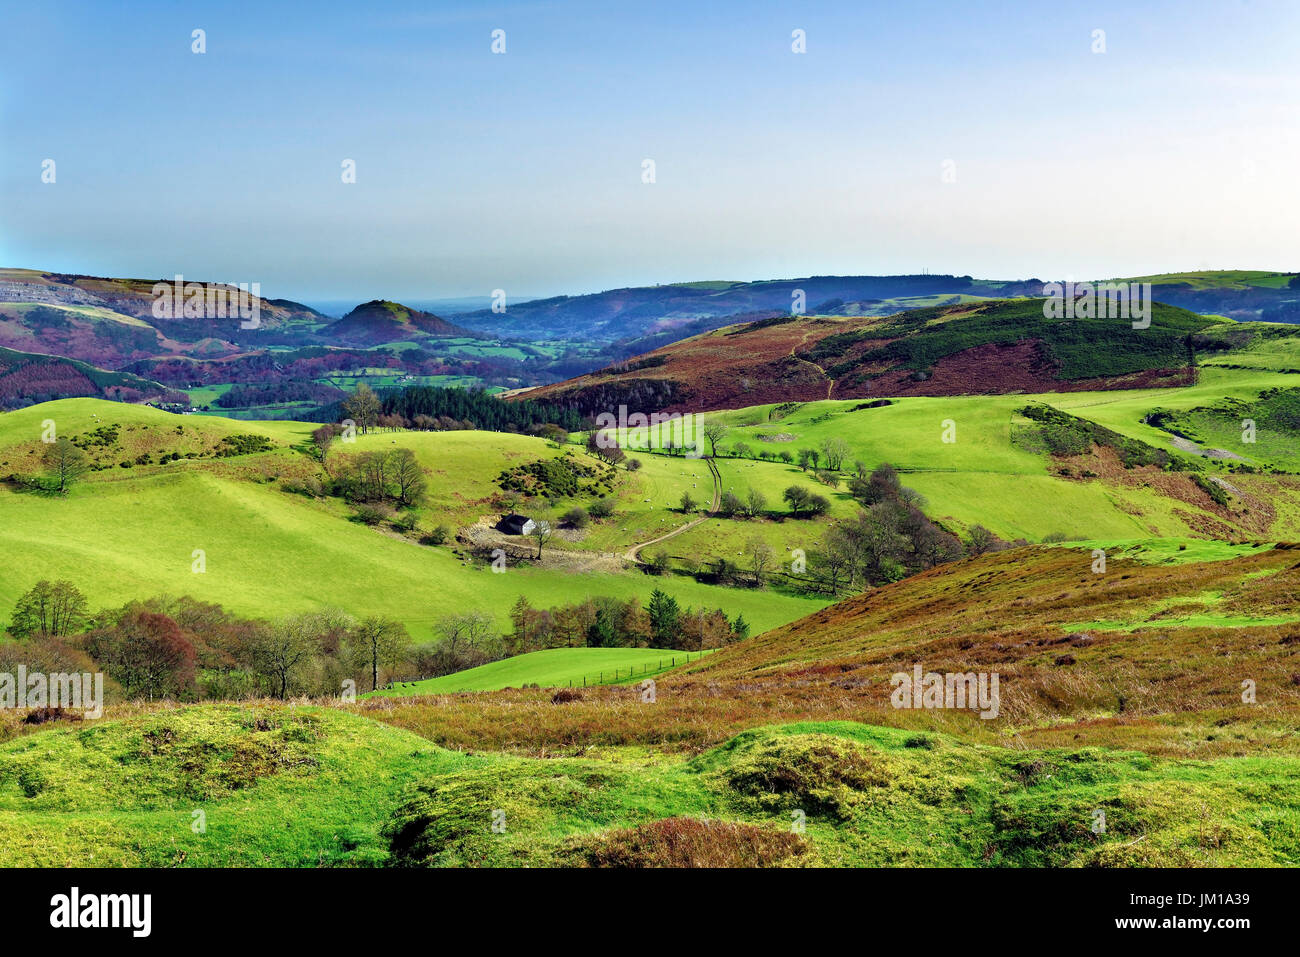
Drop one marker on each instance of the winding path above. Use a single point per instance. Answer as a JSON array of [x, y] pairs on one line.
[[634, 553]]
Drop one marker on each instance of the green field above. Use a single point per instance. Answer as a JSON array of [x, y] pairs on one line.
[[126, 534], [276, 787], [553, 668], [985, 477]]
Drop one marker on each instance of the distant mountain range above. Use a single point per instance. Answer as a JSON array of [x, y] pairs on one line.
[[114, 324], [675, 311]]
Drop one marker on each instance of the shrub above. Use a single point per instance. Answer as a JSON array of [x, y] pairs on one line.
[[437, 535], [370, 514], [576, 517], [810, 771]]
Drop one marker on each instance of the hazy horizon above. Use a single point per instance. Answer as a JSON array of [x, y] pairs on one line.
[[901, 141]]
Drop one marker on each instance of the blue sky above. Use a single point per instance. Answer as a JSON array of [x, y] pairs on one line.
[[1174, 149]]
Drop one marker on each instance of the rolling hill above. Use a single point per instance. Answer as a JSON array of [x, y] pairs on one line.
[[165, 485], [552, 668], [379, 321], [135, 299], [27, 379], [989, 347]]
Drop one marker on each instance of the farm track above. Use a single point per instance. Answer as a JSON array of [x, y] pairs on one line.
[[634, 553], [830, 383]]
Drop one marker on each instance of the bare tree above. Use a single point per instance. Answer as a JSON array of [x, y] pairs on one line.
[[362, 407], [541, 534], [283, 649], [407, 476], [836, 451], [760, 560], [377, 642], [714, 431]]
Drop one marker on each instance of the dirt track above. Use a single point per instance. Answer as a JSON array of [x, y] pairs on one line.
[[634, 553]]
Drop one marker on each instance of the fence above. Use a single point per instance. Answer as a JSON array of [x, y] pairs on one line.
[[666, 663]]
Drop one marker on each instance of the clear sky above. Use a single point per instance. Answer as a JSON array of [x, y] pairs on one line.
[[1177, 148]]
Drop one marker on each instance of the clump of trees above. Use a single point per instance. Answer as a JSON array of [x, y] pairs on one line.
[[889, 538], [50, 610], [753, 505], [392, 476], [803, 501], [604, 622], [186, 650]]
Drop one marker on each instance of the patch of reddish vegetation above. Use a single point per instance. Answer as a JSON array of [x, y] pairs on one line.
[[728, 371], [687, 842]]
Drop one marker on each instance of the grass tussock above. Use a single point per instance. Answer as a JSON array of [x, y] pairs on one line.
[[688, 842]]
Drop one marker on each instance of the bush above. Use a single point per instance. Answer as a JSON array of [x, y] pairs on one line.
[[817, 505], [601, 508], [370, 514], [576, 517], [816, 772], [437, 535]]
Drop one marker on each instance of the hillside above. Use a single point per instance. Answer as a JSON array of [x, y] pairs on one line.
[[379, 321], [27, 378], [293, 358], [989, 347], [710, 769], [247, 494], [1119, 691], [552, 668], [797, 724], [1244, 295], [134, 299]]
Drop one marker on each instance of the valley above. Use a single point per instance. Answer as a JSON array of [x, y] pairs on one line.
[[698, 650]]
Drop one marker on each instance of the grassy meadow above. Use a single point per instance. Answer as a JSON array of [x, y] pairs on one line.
[[552, 668]]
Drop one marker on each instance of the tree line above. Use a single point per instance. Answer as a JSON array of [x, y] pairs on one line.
[[185, 649], [470, 408]]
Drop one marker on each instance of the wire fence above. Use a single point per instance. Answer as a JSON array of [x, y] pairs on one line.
[[666, 663]]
